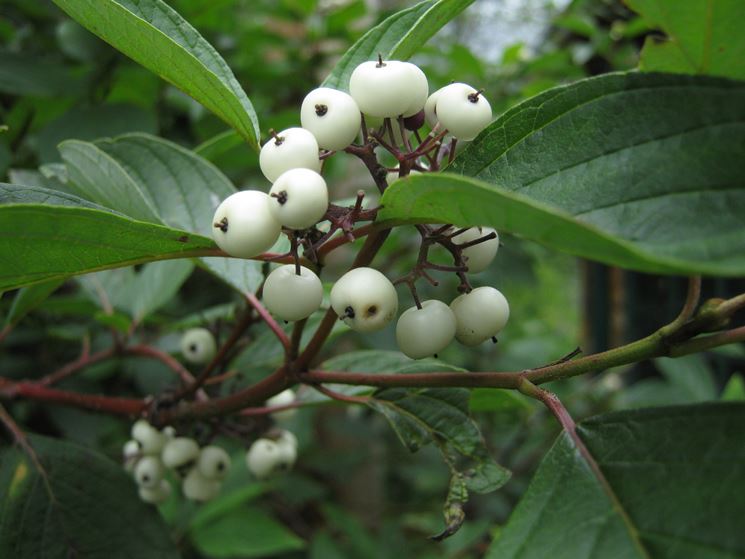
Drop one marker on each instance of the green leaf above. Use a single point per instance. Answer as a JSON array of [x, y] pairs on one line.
[[691, 374], [495, 400], [244, 532], [28, 299], [24, 74], [83, 505], [154, 35], [397, 38], [658, 462], [156, 284], [703, 37], [734, 390], [642, 171], [425, 415], [177, 186], [41, 242]]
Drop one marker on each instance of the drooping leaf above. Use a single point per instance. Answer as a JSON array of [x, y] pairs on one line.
[[156, 36], [28, 299], [658, 463], [642, 171], [43, 241], [396, 38], [179, 187], [83, 505], [702, 37]]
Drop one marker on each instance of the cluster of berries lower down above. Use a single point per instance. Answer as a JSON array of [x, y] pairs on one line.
[[387, 99], [152, 453]]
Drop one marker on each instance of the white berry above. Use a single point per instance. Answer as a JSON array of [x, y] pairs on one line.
[[156, 495], [151, 440], [179, 452], [479, 256], [430, 116], [382, 88], [365, 299], [287, 438], [463, 110], [196, 487], [282, 399], [332, 116], [266, 457], [213, 462], [480, 315], [244, 226], [130, 454], [149, 471], [299, 198], [419, 89], [290, 149], [291, 297], [426, 331], [198, 346]]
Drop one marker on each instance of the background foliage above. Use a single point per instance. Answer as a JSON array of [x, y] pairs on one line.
[[78, 114]]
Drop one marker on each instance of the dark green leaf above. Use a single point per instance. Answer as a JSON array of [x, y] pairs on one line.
[[642, 171], [28, 299], [244, 532], [84, 506], [154, 35], [90, 123], [24, 74], [156, 284], [659, 463], [40, 242], [703, 37], [691, 374], [734, 390], [396, 38]]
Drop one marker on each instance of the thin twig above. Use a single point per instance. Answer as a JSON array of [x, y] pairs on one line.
[[269, 320]]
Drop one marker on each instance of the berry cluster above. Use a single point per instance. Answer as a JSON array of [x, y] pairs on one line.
[[381, 93], [151, 453]]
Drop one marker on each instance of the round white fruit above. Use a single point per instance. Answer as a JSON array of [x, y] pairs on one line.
[[196, 487], [332, 116], [157, 494], [180, 451], [426, 331], [430, 116], [365, 299], [419, 89], [130, 454], [479, 256], [463, 110], [213, 462], [289, 296], [198, 346], [480, 315], [244, 226], [290, 149], [282, 399], [299, 198], [287, 438], [149, 471], [266, 457], [151, 440], [382, 88]]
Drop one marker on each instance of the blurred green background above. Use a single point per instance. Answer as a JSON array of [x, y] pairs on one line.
[[356, 492]]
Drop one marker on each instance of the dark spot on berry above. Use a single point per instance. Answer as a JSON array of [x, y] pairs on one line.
[[494, 339], [193, 348], [474, 97], [371, 310], [146, 478], [349, 312], [280, 196], [222, 225], [321, 110], [220, 466], [435, 356]]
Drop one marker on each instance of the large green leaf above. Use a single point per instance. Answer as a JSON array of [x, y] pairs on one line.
[[45, 241], [83, 505], [244, 532], [703, 37], [177, 186], [28, 299], [398, 37], [154, 35], [678, 473], [643, 171]]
